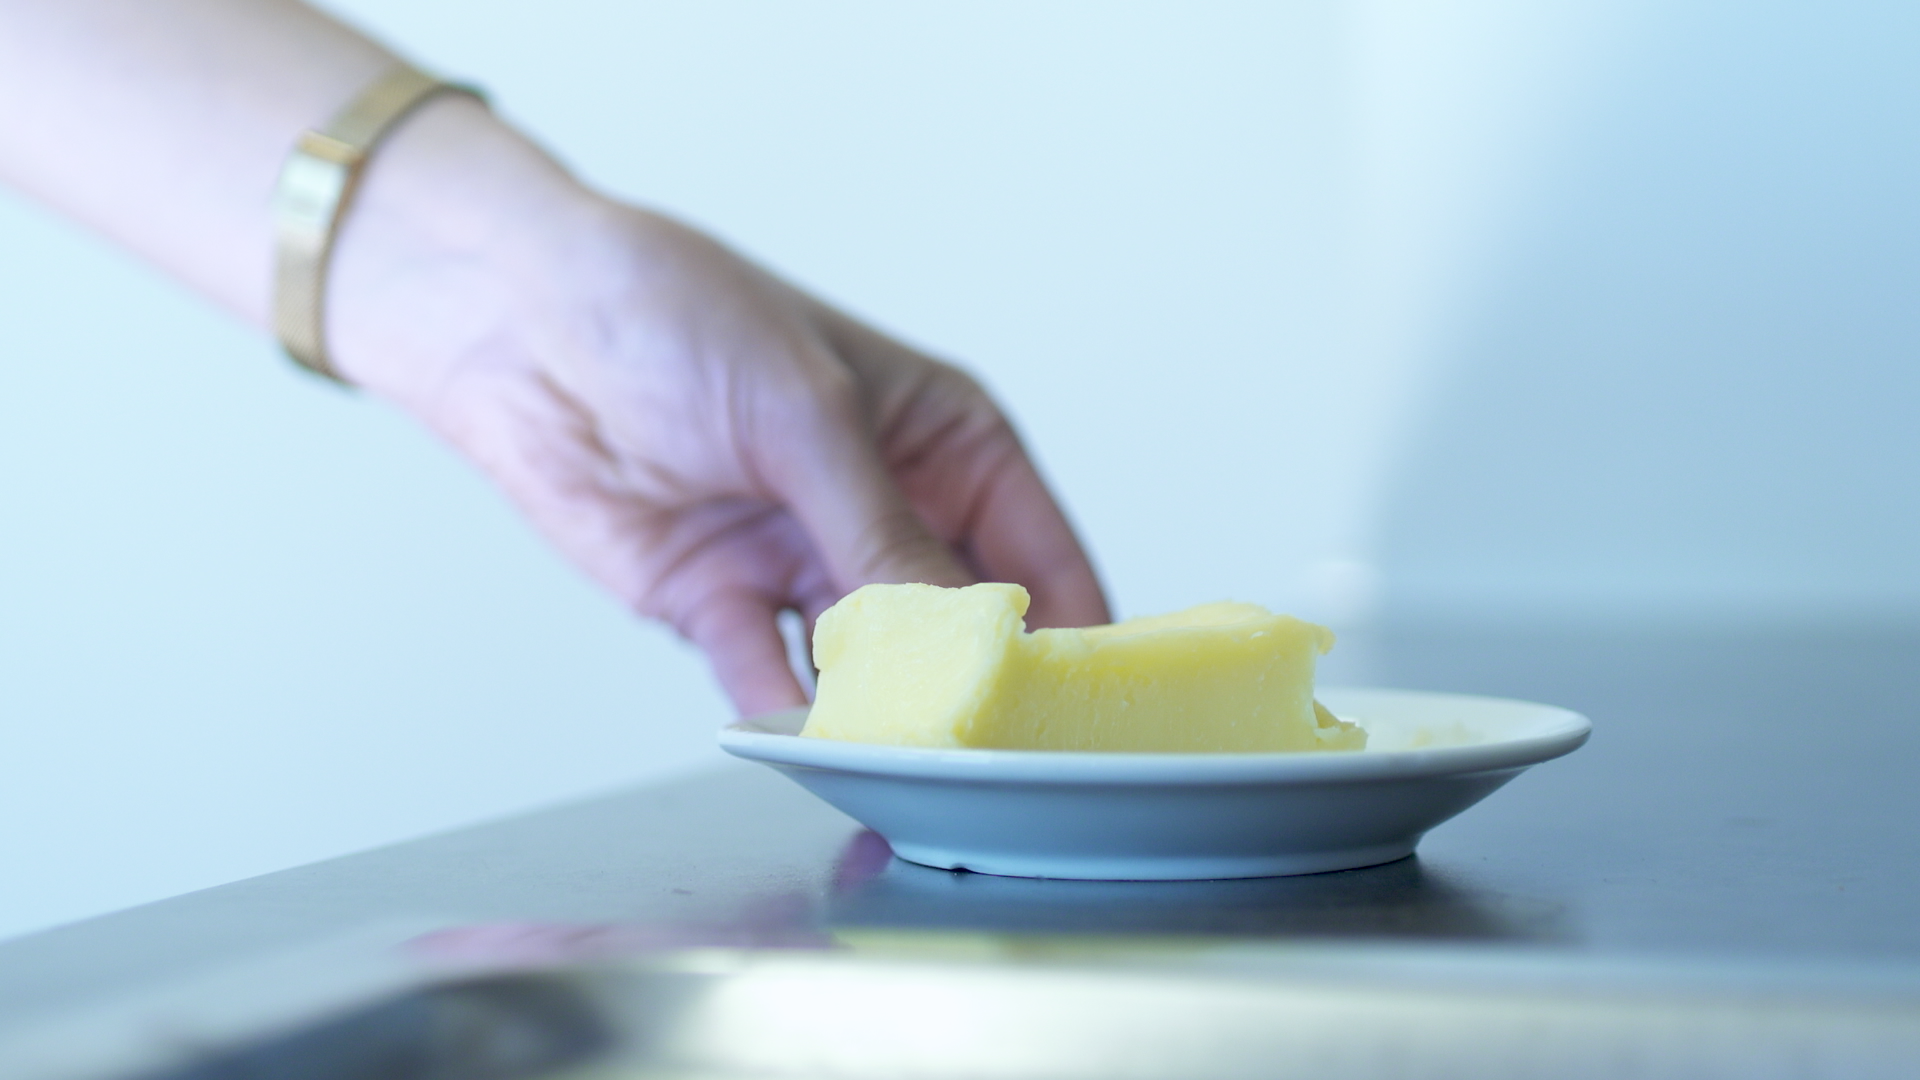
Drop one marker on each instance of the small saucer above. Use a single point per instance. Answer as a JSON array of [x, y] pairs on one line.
[[1159, 817]]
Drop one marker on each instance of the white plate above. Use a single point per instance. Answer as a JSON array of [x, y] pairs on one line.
[[1141, 817]]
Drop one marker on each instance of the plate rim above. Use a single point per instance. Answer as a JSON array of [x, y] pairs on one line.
[[745, 739]]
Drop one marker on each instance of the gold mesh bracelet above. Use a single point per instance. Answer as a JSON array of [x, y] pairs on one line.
[[316, 185]]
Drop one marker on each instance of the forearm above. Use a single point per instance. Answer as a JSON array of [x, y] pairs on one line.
[[163, 124]]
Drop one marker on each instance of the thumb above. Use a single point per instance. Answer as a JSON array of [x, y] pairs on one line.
[[831, 477]]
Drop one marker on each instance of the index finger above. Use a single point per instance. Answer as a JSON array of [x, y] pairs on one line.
[[1016, 531], [1021, 534]]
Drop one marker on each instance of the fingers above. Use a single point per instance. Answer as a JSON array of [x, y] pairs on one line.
[[1013, 527], [824, 465], [740, 634], [722, 574], [1020, 534], [719, 572]]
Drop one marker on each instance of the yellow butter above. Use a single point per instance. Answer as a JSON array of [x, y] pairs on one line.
[[919, 665]]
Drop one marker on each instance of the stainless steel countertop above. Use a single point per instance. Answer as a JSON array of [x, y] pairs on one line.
[[1747, 795]]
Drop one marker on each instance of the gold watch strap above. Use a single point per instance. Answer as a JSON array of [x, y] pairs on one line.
[[316, 185]]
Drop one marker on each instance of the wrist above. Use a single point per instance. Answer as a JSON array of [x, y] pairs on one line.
[[454, 233]]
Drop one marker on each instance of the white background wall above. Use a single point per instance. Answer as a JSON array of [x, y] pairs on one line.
[[1683, 381], [1590, 309]]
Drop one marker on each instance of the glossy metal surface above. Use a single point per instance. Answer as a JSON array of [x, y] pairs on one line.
[[1747, 799], [1241, 1016]]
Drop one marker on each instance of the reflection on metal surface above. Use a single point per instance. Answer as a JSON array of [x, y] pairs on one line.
[[825, 1017], [502, 1029], [1068, 1008]]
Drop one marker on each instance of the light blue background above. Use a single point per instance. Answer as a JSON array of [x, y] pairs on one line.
[[1368, 310]]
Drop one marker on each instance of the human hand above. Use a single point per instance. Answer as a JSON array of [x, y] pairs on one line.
[[710, 444]]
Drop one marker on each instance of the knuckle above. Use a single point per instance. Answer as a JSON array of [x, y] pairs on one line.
[[835, 397], [899, 547]]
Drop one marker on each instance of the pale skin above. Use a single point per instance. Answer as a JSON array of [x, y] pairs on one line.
[[706, 441]]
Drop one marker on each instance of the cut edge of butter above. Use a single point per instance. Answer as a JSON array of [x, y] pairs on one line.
[[921, 665]]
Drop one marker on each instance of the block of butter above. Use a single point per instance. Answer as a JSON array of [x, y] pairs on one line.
[[920, 665]]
